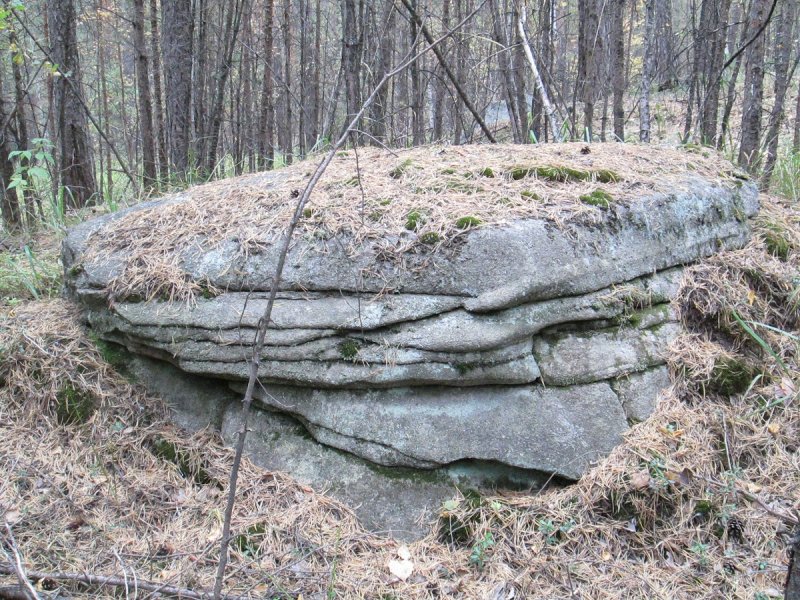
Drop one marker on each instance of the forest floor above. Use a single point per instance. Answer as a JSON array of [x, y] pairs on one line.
[[698, 502]]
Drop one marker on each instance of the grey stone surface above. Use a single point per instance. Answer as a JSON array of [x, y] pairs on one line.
[[510, 351], [584, 356], [343, 374], [399, 502], [555, 430], [639, 392], [496, 267]]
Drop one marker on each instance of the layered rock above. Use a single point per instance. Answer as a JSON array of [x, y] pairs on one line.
[[526, 345]]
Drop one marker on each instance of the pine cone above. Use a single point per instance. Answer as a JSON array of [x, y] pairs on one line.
[[735, 529]]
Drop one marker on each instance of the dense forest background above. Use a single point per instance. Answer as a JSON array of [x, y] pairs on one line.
[[105, 101]]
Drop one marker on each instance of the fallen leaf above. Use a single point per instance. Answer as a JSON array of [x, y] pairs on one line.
[[753, 488], [401, 569], [640, 480], [683, 477], [12, 517]]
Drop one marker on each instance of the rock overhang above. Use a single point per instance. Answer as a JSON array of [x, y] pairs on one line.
[[531, 342]]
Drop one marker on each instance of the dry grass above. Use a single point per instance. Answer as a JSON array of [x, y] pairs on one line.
[[667, 515], [424, 196]]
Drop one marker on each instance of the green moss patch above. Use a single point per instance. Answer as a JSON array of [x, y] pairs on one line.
[[530, 195], [414, 219], [562, 174], [458, 520], [487, 172], [115, 355], [731, 376], [467, 222], [598, 197], [401, 169], [777, 240], [348, 349], [170, 452], [430, 238], [250, 542], [74, 406]]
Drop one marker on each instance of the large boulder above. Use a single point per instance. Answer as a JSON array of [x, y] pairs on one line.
[[503, 306]]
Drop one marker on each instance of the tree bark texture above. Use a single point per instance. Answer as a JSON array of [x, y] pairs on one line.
[[75, 166]]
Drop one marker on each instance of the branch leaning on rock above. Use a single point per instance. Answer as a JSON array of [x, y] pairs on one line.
[[263, 324]]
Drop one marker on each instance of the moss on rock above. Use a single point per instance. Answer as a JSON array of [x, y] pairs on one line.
[[467, 222], [598, 197], [563, 174]]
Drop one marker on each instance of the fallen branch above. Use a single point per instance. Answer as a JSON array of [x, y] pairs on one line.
[[19, 570], [111, 581]]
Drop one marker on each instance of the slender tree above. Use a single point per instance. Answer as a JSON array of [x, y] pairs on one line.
[[76, 169], [266, 138], [784, 38], [176, 30], [618, 66], [158, 106], [647, 71], [753, 88], [9, 203], [143, 95]]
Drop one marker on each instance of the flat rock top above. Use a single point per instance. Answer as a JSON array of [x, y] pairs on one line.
[[395, 204]]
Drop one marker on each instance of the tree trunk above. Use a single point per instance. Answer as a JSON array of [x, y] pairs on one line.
[[439, 84], [288, 146], [200, 15], [143, 95], [796, 136], [417, 99], [383, 64], [753, 89], [715, 32], [266, 138], [782, 54], [76, 170], [176, 32], [792, 589], [105, 110], [9, 203], [647, 72], [158, 112], [733, 78], [664, 42], [589, 48], [233, 22], [537, 78], [504, 64], [518, 67], [618, 66], [23, 140]]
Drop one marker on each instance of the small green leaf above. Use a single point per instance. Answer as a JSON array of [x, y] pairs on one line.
[[37, 172]]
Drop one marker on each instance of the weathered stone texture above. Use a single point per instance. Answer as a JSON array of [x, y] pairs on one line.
[[526, 346]]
